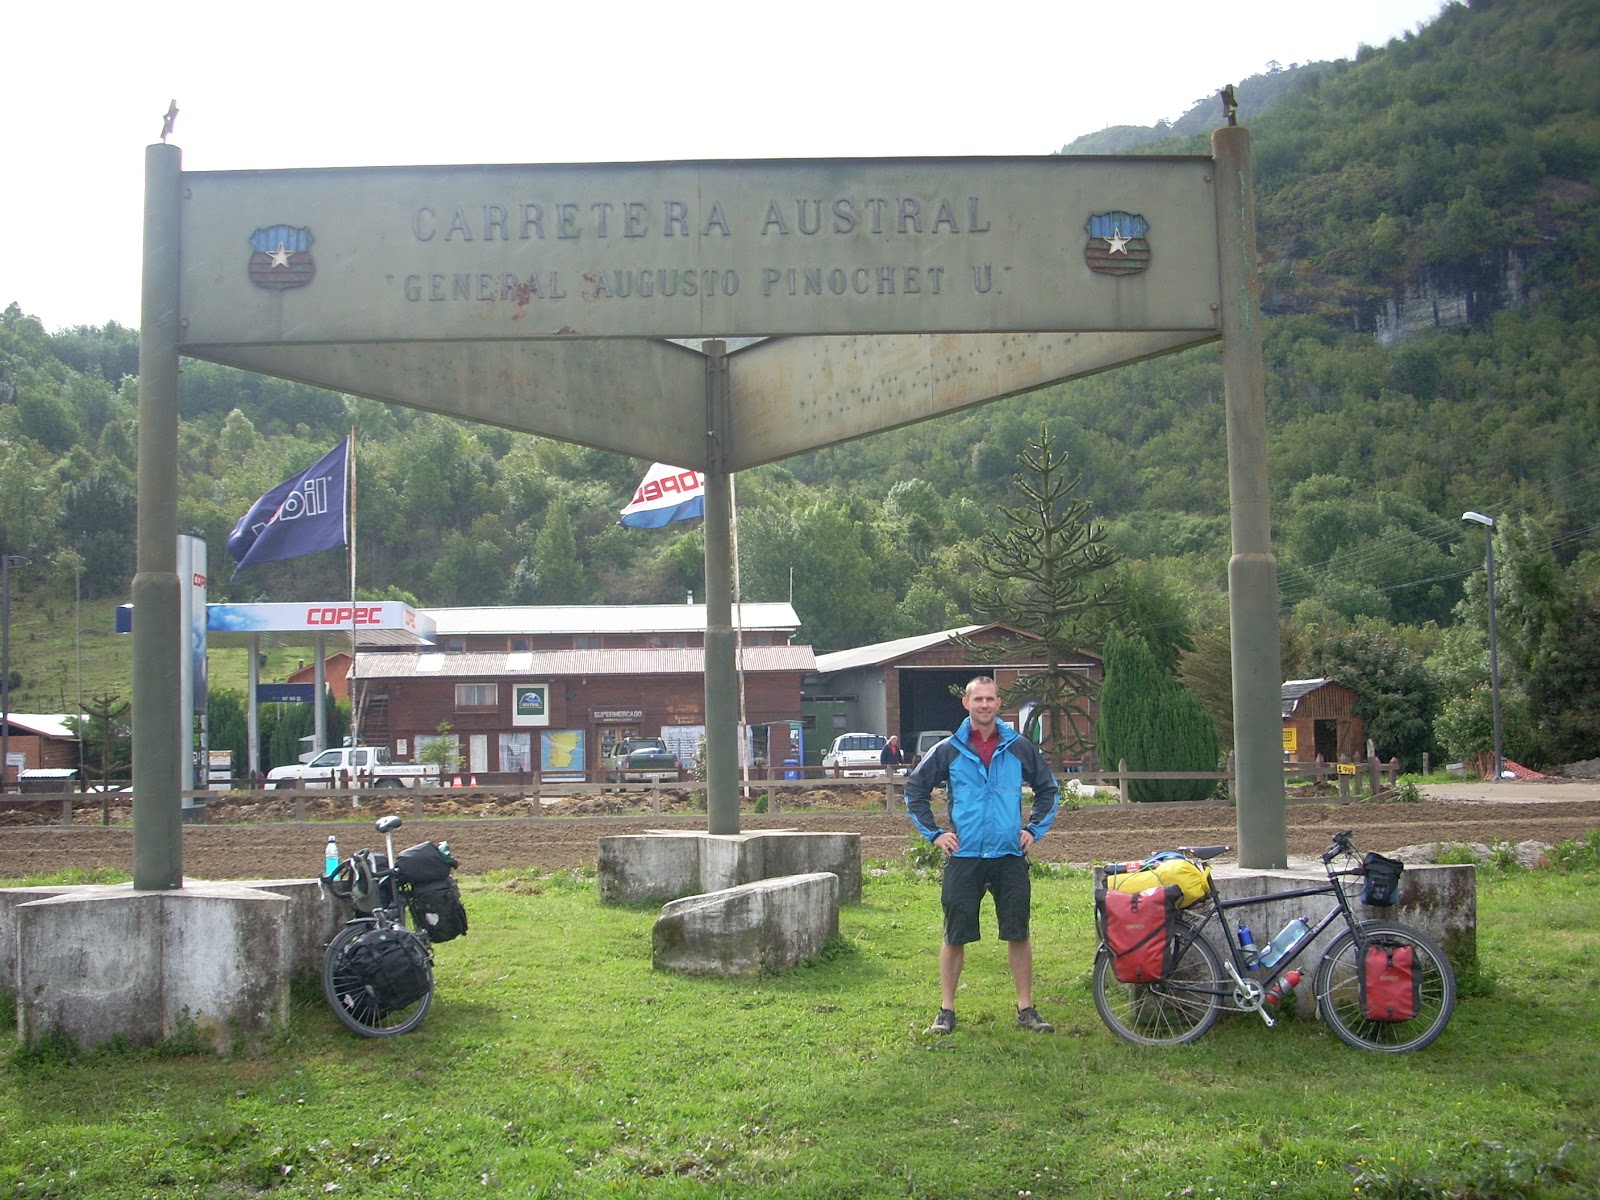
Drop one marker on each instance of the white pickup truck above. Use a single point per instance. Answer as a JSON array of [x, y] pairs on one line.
[[351, 766], [855, 754]]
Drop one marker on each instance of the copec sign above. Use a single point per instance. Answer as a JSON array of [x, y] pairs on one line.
[[313, 618], [686, 250]]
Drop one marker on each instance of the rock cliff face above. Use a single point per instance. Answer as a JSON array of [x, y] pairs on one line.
[[1465, 292]]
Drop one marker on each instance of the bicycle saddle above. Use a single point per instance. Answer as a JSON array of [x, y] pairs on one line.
[[1203, 853]]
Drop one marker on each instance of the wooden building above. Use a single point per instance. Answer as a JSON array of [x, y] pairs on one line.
[[40, 742], [1319, 721], [556, 687], [335, 674], [904, 686]]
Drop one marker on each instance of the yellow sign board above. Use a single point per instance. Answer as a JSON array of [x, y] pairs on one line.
[[1291, 739], [1347, 768]]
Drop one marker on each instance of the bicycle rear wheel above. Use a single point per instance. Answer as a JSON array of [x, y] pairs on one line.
[[352, 998], [1339, 991], [1182, 1007]]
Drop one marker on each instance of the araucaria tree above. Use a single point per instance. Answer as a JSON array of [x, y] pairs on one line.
[[1038, 576], [1151, 722]]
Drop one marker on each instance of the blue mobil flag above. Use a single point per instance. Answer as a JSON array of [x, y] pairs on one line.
[[300, 516], [667, 494]]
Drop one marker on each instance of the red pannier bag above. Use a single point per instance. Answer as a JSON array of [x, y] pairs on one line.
[[1137, 928], [1391, 985]]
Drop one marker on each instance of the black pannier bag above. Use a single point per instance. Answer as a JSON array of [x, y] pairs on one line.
[[393, 969], [437, 911], [1382, 886], [423, 863]]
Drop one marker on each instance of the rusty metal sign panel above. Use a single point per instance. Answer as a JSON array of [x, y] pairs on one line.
[[694, 250]]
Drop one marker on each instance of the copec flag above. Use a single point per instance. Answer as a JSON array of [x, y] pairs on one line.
[[300, 516], [666, 494]]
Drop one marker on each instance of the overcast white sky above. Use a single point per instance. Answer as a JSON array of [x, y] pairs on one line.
[[292, 84]]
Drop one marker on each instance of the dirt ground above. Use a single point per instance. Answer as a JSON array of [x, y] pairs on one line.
[[495, 830]]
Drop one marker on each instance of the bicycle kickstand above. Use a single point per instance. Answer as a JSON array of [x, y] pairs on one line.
[[1247, 994]]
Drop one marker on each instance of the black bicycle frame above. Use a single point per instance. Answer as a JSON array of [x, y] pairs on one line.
[[1220, 908]]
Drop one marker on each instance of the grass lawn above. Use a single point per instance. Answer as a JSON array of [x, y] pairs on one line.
[[556, 1062]]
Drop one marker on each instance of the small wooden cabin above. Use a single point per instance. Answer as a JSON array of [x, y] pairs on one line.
[[1319, 721]]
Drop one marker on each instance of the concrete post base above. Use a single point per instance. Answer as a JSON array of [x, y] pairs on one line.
[[210, 960], [766, 926], [1439, 899], [668, 864]]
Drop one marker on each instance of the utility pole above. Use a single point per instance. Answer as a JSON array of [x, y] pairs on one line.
[[1477, 518], [7, 561]]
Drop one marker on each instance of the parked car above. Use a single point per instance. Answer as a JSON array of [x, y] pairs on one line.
[[352, 766], [927, 740], [641, 759], [855, 754]]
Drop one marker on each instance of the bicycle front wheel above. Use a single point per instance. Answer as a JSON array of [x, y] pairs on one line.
[[1341, 997], [352, 996], [1179, 1009]]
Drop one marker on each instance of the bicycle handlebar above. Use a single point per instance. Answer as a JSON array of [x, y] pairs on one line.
[[1341, 845]]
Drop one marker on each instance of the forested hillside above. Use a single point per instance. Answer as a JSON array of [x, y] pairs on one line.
[[1429, 225]]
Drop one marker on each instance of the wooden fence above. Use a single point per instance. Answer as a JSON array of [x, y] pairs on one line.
[[1375, 773], [770, 786]]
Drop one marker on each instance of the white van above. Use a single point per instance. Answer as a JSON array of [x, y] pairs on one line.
[[927, 740]]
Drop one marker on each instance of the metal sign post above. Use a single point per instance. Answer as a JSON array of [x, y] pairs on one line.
[[879, 292]]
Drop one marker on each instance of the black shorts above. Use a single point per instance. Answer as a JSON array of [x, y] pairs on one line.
[[965, 882]]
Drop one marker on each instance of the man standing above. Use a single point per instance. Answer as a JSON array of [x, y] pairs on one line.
[[983, 767]]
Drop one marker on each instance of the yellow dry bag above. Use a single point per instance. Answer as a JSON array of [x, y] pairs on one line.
[[1194, 881]]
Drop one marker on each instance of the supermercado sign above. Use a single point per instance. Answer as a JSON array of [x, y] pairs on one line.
[[698, 249]]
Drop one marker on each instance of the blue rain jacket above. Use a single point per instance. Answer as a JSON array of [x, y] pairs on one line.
[[985, 802]]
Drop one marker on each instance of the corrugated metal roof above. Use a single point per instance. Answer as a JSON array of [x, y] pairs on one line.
[[605, 618], [882, 652], [548, 663], [45, 724], [1295, 690]]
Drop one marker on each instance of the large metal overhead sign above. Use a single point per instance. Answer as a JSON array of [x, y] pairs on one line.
[[881, 292], [698, 250]]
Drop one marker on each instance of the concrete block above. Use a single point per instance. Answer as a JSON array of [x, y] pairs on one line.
[[95, 964], [1438, 899], [789, 853], [310, 920], [10, 898], [768, 925], [648, 868], [668, 864]]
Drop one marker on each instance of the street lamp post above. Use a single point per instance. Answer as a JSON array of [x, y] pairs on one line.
[[7, 561], [1478, 518]]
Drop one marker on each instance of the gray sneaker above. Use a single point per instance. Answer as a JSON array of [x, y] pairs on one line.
[[1030, 1020], [945, 1022]]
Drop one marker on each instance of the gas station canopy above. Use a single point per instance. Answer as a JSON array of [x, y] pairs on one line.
[[380, 624]]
